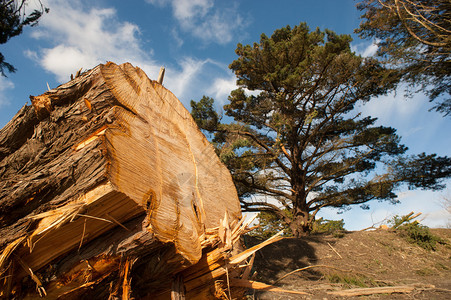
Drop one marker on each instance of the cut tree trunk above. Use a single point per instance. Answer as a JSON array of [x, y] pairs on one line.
[[108, 189]]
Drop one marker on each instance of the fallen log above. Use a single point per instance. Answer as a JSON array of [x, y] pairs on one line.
[[109, 190], [403, 289]]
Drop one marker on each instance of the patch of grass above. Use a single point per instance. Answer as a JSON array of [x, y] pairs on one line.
[[374, 263], [390, 248], [329, 226], [441, 266], [339, 235], [424, 272], [351, 280], [378, 262], [416, 233]]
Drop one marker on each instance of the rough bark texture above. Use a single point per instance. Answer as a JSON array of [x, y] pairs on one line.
[[104, 177]]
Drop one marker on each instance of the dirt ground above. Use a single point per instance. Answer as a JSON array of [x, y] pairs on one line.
[[365, 259]]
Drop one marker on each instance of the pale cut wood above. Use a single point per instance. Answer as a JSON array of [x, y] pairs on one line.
[[262, 286], [181, 167], [107, 166], [92, 213], [161, 75]]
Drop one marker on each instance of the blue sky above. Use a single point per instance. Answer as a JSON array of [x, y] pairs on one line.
[[195, 40]]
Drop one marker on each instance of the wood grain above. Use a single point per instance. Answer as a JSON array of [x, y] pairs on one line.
[[106, 165]]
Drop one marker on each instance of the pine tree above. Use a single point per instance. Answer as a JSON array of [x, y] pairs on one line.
[[414, 36], [297, 144], [13, 18]]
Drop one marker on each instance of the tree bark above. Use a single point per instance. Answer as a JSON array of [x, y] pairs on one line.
[[301, 224]]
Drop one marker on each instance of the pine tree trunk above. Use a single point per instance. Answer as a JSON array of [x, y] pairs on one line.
[[106, 174], [300, 225]]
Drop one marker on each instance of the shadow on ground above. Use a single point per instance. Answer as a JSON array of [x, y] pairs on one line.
[[284, 256]]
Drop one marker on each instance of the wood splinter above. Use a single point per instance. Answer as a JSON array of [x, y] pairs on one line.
[[78, 72], [161, 75]]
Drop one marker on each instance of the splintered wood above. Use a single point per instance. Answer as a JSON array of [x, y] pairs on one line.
[[109, 190]]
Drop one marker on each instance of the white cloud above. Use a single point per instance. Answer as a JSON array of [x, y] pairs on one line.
[[78, 36], [370, 50], [5, 84], [33, 55], [365, 49], [64, 60], [221, 89], [437, 218], [394, 109], [84, 38], [191, 78], [176, 36], [419, 129], [186, 9], [180, 81], [204, 20], [190, 9]]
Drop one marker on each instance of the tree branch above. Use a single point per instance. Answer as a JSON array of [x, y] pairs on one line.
[[264, 146], [264, 206], [264, 189], [330, 176], [411, 32]]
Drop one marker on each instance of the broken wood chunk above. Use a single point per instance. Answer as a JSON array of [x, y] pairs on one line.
[[115, 204]]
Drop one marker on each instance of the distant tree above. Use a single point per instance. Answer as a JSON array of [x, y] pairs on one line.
[[415, 37], [13, 18], [296, 144]]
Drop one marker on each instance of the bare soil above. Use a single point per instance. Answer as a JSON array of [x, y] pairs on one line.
[[363, 259]]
